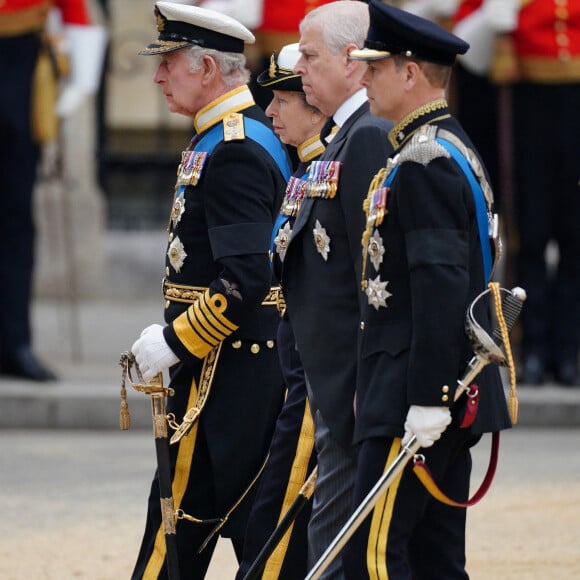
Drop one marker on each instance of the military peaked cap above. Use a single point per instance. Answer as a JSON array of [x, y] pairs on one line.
[[394, 31], [280, 75], [180, 25]]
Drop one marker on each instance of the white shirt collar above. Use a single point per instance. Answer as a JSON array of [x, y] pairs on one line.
[[349, 107]]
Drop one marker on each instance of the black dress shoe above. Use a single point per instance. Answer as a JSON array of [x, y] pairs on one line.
[[532, 371], [566, 372], [23, 364]]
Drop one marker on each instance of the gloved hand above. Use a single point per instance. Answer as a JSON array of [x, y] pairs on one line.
[[152, 353], [426, 424], [480, 30], [502, 15], [248, 12], [85, 47], [476, 30], [430, 9]]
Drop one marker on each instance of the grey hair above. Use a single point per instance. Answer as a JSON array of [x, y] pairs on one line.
[[232, 65], [342, 23]]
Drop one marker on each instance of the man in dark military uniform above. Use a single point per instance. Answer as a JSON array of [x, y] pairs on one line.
[[221, 316], [426, 256], [28, 119], [292, 456], [321, 271]]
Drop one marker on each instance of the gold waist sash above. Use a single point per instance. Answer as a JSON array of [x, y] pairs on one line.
[[17, 22], [550, 70], [189, 294]]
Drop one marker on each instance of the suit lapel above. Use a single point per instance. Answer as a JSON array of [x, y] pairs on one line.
[[331, 153]]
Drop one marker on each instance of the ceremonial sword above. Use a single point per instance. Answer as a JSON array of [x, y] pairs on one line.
[[158, 394], [304, 495]]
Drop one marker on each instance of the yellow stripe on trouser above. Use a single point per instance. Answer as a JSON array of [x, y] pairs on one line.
[[381, 520], [179, 485], [298, 474]]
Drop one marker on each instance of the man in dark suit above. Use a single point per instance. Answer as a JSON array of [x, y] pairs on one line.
[[220, 312], [322, 263], [427, 253]]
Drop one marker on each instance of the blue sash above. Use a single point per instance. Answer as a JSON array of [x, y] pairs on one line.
[[478, 197], [480, 205]]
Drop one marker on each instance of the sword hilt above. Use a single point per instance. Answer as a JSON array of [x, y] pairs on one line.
[[511, 307], [490, 347]]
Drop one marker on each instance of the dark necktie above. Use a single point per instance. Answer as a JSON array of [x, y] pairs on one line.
[[328, 131]]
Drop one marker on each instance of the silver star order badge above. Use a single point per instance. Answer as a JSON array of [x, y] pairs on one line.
[[282, 240], [176, 254], [377, 293], [321, 240], [376, 249], [177, 210]]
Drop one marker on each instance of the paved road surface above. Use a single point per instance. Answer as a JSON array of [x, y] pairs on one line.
[[73, 506]]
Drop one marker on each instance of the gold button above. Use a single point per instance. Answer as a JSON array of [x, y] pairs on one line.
[[445, 389], [270, 343], [255, 348], [171, 236], [564, 54], [445, 398], [237, 344], [167, 270], [167, 303], [560, 26], [362, 325]]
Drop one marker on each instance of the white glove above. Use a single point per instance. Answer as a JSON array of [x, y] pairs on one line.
[[431, 10], [502, 15], [248, 12], [152, 352], [476, 30], [85, 46], [426, 424]]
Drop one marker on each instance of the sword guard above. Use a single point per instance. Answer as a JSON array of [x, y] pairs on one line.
[[491, 347]]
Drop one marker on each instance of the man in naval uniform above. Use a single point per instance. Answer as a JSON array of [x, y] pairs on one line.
[[220, 312], [321, 270], [427, 253]]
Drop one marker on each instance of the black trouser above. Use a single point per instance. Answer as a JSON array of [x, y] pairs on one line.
[[422, 538], [198, 502], [292, 457], [547, 139], [477, 111], [18, 161]]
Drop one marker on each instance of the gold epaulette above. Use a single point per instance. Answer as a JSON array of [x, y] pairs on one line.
[[234, 127]]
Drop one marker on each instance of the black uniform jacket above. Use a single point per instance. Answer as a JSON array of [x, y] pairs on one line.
[[323, 296], [219, 238], [413, 341]]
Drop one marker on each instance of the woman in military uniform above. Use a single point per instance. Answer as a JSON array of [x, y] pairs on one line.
[[292, 454]]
